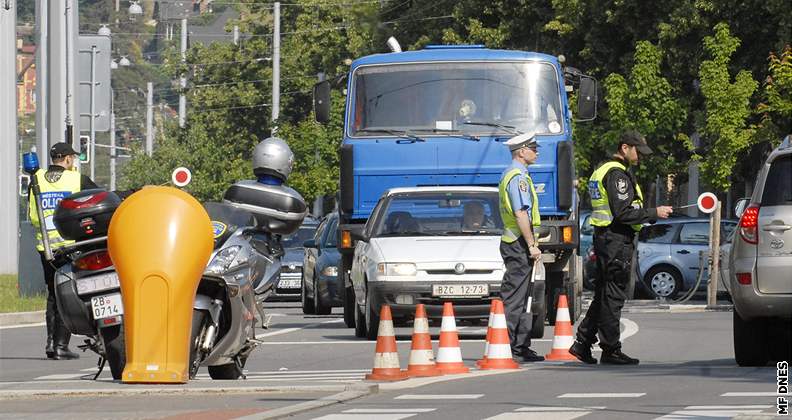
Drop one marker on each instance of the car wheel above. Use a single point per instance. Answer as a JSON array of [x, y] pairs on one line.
[[349, 307], [321, 308], [307, 303], [372, 319], [664, 281], [360, 319], [750, 347]]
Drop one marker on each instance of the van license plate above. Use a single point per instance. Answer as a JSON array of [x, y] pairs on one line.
[[460, 290], [107, 306]]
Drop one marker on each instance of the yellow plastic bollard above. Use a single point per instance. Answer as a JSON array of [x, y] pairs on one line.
[[160, 240]]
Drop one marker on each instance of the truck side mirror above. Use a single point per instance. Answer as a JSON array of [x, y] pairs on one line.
[[587, 99], [321, 96]]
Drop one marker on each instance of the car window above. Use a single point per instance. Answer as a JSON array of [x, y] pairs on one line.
[[296, 239], [694, 233], [585, 227], [657, 234], [778, 184], [726, 230], [320, 230], [331, 238]]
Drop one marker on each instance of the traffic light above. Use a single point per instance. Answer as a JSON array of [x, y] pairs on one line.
[[85, 149]]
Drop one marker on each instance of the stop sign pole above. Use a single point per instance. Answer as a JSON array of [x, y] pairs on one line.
[[709, 203]]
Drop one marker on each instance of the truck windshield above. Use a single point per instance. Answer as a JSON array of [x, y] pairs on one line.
[[439, 214], [430, 98]]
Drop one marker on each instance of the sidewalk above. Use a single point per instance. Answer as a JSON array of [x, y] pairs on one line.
[[21, 318]]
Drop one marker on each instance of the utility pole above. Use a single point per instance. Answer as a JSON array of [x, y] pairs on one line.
[[92, 117], [183, 80], [41, 84], [70, 39], [712, 287], [9, 211], [275, 67], [149, 118], [113, 152]]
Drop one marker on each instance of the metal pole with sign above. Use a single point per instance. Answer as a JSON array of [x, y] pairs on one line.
[[708, 203]]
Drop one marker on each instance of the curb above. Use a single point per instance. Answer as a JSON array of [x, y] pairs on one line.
[[16, 318], [350, 392], [88, 392]]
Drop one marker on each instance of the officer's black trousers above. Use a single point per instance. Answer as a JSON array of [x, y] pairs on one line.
[[514, 294], [614, 255], [55, 325]]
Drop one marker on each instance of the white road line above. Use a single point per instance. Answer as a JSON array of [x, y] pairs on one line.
[[389, 410], [630, 329], [367, 416], [603, 395], [749, 394], [438, 397], [714, 411], [548, 409], [290, 330], [11, 327], [58, 377], [295, 343], [554, 415]]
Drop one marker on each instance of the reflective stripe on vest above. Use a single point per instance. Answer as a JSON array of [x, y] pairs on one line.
[[511, 231], [600, 206], [51, 194]]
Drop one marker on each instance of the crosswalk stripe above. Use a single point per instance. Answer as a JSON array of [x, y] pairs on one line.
[[389, 410], [438, 396], [749, 394], [547, 409], [367, 416], [603, 395], [713, 411], [546, 415]]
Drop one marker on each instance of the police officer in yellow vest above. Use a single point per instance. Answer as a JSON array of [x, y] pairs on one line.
[[59, 181], [519, 209], [617, 215]]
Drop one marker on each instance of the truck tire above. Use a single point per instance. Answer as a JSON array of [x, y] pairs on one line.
[[349, 307], [554, 287], [538, 326], [750, 341], [115, 353]]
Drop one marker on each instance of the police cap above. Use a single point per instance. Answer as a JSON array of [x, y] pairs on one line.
[[634, 138], [522, 140], [61, 150]]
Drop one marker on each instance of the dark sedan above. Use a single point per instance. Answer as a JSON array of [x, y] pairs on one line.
[[321, 288], [290, 281]]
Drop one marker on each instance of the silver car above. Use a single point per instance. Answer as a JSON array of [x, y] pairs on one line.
[[760, 266]]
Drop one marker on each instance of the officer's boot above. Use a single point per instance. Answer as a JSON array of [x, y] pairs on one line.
[[582, 352], [616, 357], [62, 337], [49, 349]]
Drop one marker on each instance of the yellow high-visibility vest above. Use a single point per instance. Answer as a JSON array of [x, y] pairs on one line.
[[601, 213], [511, 231], [51, 194]]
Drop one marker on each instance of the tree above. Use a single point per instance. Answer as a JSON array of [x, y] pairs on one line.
[[727, 108], [775, 108]]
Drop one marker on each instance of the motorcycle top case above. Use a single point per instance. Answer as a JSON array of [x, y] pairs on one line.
[[277, 208], [85, 214]]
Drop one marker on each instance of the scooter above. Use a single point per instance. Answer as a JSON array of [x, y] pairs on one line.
[[241, 273]]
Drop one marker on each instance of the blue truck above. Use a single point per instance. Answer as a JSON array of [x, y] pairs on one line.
[[438, 117]]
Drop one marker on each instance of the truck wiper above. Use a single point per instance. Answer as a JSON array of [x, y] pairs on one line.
[[466, 136], [507, 128], [398, 133]]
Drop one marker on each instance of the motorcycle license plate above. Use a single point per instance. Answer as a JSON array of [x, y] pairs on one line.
[[289, 284], [107, 306], [460, 290]]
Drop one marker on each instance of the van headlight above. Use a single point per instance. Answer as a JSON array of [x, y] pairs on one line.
[[330, 270], [396, 269], [226, 259]]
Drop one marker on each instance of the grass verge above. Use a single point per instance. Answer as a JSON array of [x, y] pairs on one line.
[[10, 301]]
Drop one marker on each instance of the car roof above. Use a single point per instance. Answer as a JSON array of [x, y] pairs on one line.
[[402, 190]]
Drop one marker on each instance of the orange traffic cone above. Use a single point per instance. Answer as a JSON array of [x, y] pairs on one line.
[[562, 335], [489, 332], [422, 361], [386, 356], [499, 355], [449, 355]]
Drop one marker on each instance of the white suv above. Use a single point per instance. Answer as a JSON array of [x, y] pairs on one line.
[[760, 266]]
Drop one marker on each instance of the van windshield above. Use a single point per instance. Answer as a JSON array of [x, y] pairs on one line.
[[430, 98]]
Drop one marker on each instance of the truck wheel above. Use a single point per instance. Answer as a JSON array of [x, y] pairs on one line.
[[115, 353], [537, 328], [750, 338], [349, 307], [554, 286], [372, 319]]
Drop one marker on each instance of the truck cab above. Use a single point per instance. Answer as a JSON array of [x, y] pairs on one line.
[[439, 117]]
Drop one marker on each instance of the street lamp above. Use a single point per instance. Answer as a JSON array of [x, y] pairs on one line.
[[135, 10], [124, 61], [104, 31]]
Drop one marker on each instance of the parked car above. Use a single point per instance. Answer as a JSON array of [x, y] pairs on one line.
[[321, 286], [586, 232], [290, 283], [668, 253], [419, 247], [760, 266]]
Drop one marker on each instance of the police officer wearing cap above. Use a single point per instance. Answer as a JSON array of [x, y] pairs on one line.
[[58, 181], [519, 209], [617, 215]]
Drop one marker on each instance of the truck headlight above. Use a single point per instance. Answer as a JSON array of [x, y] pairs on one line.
[[396, 269], [226, 259], [330, 270]]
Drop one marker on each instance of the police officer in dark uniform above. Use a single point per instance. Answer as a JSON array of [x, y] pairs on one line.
[[617, 215], [519, 209], [58, 181]]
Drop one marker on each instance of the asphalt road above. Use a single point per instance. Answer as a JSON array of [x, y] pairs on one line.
[[687, 370]]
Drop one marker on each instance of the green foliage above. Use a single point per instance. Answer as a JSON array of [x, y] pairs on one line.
[[775, 109], [727, 107]]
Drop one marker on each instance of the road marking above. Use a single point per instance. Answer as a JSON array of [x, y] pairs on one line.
[[603, 395], [546, 409], [351, 416], [749, 394], [59, 376], [290, 330], [716, 411], [406, 341], [11, 327], [438, 397], [546, 413], [630, 329], [389, 410]]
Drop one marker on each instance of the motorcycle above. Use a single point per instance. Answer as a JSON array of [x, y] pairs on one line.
[[86, 285], [242, 271]]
